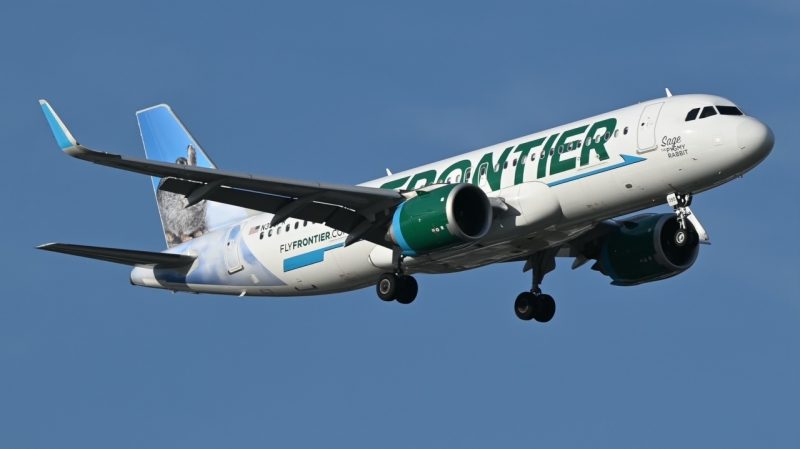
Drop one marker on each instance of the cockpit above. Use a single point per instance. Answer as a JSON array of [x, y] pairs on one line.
[[709, 111]]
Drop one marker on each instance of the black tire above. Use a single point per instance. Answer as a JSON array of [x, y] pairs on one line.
[[545, 308], [524, 306], [681, 238], [407, 289], [387, 287]]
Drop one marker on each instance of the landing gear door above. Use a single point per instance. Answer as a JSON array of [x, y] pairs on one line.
[[232, 259], [647, 128]]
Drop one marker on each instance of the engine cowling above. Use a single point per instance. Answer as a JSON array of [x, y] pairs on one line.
[[644, 251], [441, 218]]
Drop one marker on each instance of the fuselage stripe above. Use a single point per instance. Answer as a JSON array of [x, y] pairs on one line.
[[309, 258], [626, 160]]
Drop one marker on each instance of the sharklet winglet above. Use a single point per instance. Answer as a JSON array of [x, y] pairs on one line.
[[61, 133]]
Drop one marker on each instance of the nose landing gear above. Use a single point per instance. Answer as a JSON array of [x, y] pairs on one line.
[[680, 203], [397, 286], [535, 304]]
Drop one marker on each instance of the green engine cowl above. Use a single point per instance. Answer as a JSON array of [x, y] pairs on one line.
[[645, 251], [441, 218]]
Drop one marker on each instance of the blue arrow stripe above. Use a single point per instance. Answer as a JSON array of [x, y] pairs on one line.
[[626, 160], [309, 258]]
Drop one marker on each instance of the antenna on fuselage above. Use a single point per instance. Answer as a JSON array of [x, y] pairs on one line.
[[669, 94]]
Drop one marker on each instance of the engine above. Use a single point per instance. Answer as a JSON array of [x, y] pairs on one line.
[[441, 218], [644, 250]]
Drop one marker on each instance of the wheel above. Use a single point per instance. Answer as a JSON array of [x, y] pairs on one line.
[[524, 306], [406, 289], [681, 237], [387, 287], [545, 308]]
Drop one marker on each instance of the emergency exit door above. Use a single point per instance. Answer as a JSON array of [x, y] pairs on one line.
[[647, 127], [232, 259]]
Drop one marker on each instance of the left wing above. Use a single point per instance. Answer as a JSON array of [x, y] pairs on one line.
[[362, 212]]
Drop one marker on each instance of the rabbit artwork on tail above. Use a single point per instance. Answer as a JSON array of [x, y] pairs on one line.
[[181, 223]]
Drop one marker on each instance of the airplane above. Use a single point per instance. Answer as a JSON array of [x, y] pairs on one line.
[[555, 193]]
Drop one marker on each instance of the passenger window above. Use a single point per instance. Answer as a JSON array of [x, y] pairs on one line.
[[467, 174], [708, 111], [588, 141], [458, 179], [560, 149], [514, 163], [729, 110], [606, 136], [269, 233], [447, 181], [261, 236], [616, 133], [483, 170], [505, 165], [296, 225], [625, 131], [496, 167], [692, 114], [569, 146], [305, 223], [533, 156], [288, 227], [578, 144], [278, 231]]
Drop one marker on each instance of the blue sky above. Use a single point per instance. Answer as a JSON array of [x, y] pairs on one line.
[[338, 93]]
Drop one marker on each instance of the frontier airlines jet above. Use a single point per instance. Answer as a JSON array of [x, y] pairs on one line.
[[551, 194]]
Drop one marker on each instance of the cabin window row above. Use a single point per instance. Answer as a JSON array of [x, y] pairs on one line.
[[277, 229]]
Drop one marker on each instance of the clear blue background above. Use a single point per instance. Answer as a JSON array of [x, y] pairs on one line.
[[710, 358]]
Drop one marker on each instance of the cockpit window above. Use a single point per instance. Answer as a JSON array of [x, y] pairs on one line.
[[708, 111], [729, 110], [692, 114]]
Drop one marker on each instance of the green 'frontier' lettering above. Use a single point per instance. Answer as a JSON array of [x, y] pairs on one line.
[[428, 176], [492, 176], [542, 171], [524, 149], [557, 165], [396, 184], [598, 145], [460, 165]]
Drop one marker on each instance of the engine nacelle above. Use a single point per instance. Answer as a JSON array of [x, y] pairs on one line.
[[645, 251], [441, 218]]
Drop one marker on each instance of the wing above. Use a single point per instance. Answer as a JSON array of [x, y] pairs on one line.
[[362, 212], [123, 256]]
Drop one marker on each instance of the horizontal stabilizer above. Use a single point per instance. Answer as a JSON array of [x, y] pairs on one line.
[[123, 256]]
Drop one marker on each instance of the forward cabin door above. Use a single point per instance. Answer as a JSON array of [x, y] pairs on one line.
[[647, 127], [232, 259]]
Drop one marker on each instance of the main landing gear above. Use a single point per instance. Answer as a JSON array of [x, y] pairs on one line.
[[680, 203], [535, 304], [397, 286]]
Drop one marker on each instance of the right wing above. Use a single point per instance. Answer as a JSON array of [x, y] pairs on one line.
[[123, 256], [362, 212]]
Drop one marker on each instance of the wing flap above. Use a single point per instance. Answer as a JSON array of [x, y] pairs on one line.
[[122, 256]]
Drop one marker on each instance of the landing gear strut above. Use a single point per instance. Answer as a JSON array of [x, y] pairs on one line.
[[680, 203], [535, 304], [397, 285]]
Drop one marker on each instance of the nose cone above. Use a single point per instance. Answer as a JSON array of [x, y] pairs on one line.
[[755, 139]]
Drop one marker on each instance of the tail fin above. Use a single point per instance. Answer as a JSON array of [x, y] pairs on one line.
[[165, 139]]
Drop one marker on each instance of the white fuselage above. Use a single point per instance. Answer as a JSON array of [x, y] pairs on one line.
[[552, 194]]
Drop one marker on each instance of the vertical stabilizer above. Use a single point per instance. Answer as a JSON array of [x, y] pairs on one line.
[[165, 139]]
